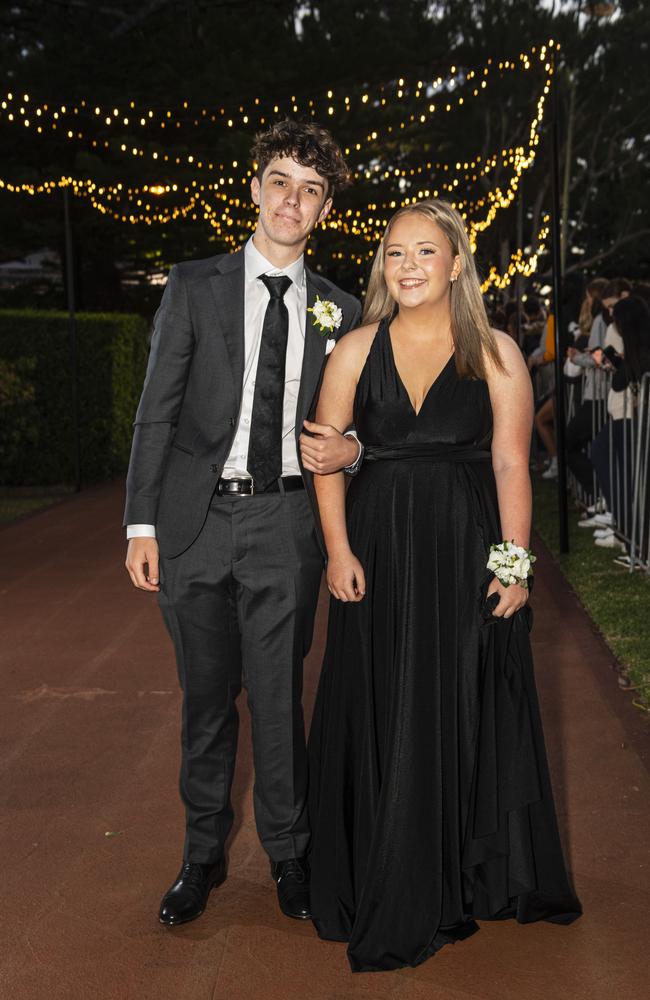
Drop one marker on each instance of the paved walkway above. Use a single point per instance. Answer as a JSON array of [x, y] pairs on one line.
[[92, 826]]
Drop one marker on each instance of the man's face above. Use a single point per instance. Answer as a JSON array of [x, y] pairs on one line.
[[292, 200]]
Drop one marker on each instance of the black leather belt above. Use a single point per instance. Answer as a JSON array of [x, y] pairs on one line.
[[246, 488]]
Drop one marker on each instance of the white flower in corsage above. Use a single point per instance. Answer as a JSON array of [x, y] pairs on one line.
[[511, 563], [327, 315]]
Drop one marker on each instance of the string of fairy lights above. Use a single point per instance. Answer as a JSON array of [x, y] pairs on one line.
[[433, 97], [521, 261], [218, 193]]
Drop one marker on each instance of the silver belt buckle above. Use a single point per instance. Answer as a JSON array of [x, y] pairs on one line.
[[241, 480]]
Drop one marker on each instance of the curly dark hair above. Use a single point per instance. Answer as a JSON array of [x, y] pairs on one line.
[[308, 144]]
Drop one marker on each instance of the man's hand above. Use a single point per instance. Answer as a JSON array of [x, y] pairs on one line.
[[327, 450], [141, 553]]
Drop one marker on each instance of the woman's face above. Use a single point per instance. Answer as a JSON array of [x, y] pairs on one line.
[[418, 262]]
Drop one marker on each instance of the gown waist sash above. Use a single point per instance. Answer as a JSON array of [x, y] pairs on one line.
[[430, 452]]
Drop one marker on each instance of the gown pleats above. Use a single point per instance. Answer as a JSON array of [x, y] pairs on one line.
[[430, 798]]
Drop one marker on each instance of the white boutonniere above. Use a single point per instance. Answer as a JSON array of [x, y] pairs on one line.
[[327, 315]]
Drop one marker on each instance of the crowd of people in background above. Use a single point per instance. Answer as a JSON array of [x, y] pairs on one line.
[[605, 344]]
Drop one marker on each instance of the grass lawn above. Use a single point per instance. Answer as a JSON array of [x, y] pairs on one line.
[[17, 503], [617, 601]]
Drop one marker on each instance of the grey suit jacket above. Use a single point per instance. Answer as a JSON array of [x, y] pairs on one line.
[[188, 412]]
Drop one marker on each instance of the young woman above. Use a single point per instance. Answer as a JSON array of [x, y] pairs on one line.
[[591, 308], [429, 792]]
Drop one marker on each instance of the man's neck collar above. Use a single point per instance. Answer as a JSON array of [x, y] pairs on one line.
[[278, 257], [257, 263]]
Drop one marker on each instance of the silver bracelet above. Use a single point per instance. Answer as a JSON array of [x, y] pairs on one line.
[[352, 470]]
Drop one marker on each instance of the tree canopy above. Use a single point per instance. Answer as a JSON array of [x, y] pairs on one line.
[[191, 81]]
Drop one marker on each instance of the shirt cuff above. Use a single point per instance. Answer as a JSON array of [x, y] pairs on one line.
[[354, 468], [140, 531]]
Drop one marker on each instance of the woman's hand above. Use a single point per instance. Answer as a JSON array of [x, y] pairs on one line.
[[511, 598], [345, 577]]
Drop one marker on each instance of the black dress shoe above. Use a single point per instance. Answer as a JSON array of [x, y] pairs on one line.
[[292, 879], [186, 898]]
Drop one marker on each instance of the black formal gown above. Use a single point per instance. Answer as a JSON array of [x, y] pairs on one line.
[[430, 798]]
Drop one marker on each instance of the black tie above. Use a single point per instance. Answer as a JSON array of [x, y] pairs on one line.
[[265, 447]]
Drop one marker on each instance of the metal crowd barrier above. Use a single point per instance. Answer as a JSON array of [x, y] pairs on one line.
[[574, 390], [640, 533], [599, 417], [629, 460]]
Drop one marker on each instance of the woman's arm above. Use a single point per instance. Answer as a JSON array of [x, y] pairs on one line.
[[345, 577], [512, 407]]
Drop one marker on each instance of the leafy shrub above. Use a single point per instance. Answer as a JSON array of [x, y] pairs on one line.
[[36, 400]]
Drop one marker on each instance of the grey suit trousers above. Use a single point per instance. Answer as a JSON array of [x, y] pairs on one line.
[[239, 604]]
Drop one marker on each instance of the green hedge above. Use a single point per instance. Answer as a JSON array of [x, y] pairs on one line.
[[36, 423]]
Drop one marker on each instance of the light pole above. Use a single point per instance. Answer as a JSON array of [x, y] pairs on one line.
[[72, 329], [556, 217]]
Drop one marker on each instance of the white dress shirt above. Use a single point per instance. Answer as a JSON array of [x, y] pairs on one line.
[[256, 299]]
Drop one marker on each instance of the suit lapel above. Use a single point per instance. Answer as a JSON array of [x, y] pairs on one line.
[[227, 287], [313, 357], [228, 291]]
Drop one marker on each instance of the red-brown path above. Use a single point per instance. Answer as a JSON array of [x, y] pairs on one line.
[[89, 736]]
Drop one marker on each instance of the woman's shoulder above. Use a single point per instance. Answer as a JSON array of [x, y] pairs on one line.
[[350, 354], [509, 352], [356, 343]]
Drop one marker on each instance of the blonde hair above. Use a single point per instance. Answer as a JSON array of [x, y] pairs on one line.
[[590, 304], [470, 329]]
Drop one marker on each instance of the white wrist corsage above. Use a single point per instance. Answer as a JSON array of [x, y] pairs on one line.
[[511, 563], [327, 315]]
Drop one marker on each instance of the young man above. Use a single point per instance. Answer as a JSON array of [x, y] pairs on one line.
[[221, 513]]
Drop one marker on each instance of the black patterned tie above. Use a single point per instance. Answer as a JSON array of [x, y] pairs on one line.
[[265, 448]]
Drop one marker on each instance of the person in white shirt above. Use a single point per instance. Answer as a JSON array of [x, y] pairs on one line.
[[221, 513], [581, 429]]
